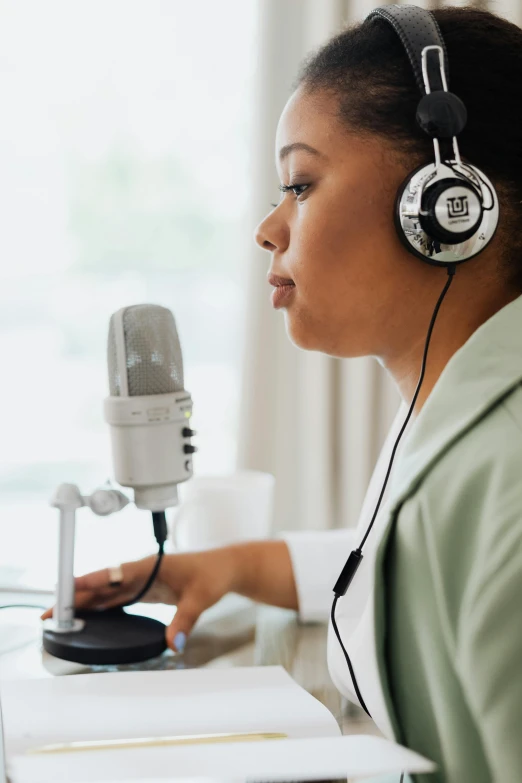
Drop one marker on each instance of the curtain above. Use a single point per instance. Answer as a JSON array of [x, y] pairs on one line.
[[316, 422]]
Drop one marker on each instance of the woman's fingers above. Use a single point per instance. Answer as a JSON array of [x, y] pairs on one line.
[[190, 606], [85, 599], [94, 590], [99, 579], [94, 581]]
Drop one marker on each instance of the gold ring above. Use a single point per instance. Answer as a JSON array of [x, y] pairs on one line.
[[115, 576]]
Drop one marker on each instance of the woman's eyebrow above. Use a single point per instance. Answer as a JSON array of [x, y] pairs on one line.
[[298, 145]]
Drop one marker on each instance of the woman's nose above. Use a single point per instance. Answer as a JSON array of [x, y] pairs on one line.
[[270, 235], [262, 239]]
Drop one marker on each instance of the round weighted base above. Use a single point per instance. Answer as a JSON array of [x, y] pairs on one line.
[[109, 637]]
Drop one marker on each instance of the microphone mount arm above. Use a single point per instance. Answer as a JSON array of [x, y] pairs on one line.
[[68, 499]]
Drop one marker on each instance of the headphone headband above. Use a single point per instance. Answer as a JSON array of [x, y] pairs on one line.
[[417, 28]]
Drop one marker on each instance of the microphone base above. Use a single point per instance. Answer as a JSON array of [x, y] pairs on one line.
[[108, 637]]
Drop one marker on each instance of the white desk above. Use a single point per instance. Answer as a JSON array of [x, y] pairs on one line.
[[235, 632]]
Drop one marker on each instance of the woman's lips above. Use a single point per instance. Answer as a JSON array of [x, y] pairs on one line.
[[282, 294], [278, 280], [284, 288]]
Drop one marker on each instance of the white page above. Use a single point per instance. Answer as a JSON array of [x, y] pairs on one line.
[[355, 756], [137, 704]]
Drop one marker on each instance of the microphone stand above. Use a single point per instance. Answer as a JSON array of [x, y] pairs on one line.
[[94, 637]]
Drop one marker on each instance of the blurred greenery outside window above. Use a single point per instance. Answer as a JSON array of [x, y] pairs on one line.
[[124, 159]]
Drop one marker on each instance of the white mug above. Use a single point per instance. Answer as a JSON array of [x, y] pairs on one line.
[[223, 509]]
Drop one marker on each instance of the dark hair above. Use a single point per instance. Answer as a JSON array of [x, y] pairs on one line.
[[367, 69]]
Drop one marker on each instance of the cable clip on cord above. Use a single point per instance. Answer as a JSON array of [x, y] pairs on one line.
[[348, 572]]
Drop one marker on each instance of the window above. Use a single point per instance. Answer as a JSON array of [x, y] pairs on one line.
[[124, 154]]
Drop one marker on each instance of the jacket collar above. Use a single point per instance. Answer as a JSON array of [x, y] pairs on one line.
[[478, 375]]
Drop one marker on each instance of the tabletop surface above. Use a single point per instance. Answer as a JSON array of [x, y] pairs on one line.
[[235, 632]]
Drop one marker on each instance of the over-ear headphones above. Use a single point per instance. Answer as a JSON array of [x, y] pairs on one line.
[[446, 212]]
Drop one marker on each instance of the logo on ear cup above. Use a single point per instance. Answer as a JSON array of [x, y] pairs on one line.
[[458, 207], [455, 209]]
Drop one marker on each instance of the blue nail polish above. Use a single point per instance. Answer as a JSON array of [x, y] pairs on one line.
[[179, 641]]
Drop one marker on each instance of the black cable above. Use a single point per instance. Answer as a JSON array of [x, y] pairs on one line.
[[356, 556], [348, 661], [451, 274], [160, 532], [148, 583]]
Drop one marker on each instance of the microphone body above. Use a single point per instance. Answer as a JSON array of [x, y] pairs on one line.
[[148, 409], [148, 446]]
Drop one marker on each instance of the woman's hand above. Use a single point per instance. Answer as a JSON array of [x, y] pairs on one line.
[[191, 581], [194, 581]]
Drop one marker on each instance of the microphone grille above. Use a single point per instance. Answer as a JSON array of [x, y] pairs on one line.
[[144, 346]]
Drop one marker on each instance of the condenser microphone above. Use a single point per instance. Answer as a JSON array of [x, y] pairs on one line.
[[148, 408]]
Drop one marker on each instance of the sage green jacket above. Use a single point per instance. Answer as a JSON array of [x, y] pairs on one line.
[[448, 570]]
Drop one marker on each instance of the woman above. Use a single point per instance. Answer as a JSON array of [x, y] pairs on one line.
[[432, 618]]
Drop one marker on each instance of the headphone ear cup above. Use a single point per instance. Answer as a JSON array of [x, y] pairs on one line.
[[434, 226]]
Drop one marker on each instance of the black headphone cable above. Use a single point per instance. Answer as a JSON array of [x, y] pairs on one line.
[[354, 560]]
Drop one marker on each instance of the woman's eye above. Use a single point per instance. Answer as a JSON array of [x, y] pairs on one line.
[[297, 190]]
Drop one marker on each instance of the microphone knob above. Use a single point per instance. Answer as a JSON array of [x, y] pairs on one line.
[[187, 432], [189, 449]]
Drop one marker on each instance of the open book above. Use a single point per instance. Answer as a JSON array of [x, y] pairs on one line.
[[137, 705]]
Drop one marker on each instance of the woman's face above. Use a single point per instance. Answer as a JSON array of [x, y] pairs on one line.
[[334, 235]]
